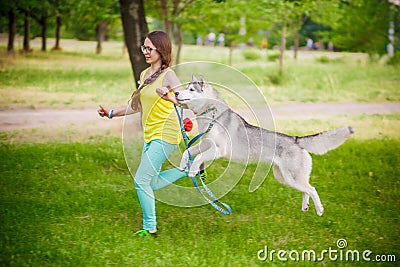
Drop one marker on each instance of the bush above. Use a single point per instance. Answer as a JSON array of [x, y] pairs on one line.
[[273, 57], [394, 61], [326, 59], [251, 54], [323, 59], [276, 78]]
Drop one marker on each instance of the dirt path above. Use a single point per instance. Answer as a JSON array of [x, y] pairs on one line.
[[27, 118]]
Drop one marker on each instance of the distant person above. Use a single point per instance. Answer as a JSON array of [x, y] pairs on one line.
[[264, 43], [155, 100], [310, 44], [390, 49], [211, 39], [199, 41], [330, 46], [221, 40]]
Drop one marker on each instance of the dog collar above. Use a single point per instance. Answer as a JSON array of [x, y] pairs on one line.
[[204, 112]]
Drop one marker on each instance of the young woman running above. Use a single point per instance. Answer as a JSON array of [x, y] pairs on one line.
[[155, 98]]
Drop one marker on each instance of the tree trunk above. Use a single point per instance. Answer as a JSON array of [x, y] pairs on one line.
[[296, 45], [230, 54], [43, 23], [101, 35], [12, 26], [58, 30], [282, 48], [164, 14], [135, 28], [26, 42], [179, 42]]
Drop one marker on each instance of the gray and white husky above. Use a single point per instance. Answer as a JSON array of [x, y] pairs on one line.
[[232, 137]]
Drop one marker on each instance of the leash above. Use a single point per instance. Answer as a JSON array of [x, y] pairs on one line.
[[211, 199]]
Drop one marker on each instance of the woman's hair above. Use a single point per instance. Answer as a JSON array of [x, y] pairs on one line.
[[163, 44]]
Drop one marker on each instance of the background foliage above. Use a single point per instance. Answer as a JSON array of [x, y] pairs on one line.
[[356, 25]]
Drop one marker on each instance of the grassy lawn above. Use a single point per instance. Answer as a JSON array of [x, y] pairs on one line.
[[78, 78], [70, 201], [74, 205]]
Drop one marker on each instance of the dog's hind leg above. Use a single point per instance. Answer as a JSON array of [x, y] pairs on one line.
[[310, 191], [278, 176], [306, 202], [305, 188]]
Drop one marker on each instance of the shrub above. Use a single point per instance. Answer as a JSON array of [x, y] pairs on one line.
[[323, 59], [394, 61], [251, 54], [273, 57]]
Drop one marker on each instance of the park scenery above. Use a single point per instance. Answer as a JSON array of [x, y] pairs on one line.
[[67, 196]]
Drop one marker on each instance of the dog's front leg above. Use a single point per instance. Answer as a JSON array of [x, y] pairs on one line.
[[207, 152], [194, 150]]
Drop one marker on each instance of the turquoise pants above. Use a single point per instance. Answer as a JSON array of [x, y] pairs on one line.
[[148, 178]]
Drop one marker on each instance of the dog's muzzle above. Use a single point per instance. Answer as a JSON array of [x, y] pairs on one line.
[[180, 100]]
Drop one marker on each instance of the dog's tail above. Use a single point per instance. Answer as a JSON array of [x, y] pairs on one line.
[[323, 142]]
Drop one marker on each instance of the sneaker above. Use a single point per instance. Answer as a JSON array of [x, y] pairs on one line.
[[145, 233]]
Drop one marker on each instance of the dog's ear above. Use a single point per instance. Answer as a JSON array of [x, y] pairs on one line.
[[194, 79], [202, 81]]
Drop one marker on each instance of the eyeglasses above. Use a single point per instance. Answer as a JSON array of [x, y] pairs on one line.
[[147, 49]]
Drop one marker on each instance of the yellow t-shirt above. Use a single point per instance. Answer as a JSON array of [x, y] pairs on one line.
[[159, 119]]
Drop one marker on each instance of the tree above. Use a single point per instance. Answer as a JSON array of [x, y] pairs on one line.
[[300, 11], [9, 9], [228, 17], [12, 28], [27, 32], [62, 8], [363, 26], [173, 14], [280, 12], [41, 11], [94, 17], [290, 15], [135, 28]]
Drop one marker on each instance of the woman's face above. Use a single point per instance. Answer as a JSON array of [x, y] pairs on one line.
[[151, 54]]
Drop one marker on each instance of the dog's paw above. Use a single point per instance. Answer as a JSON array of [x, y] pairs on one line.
[[305, 208], [183, 165], [184, 161], [320, 211], [193, 173], [181, 169]]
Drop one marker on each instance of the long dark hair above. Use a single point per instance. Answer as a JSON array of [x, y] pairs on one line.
[[163, 44]]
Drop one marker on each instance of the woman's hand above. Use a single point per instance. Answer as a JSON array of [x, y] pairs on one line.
[[170, 97], [166, 94], [102, 111]]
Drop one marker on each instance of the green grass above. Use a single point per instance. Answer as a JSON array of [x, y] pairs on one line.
[[63, 79], [74, 205], [345, 81]]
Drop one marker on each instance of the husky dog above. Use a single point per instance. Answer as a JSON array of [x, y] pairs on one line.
[[233, 138]]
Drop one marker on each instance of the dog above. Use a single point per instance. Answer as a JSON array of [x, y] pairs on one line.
[[233, 138]]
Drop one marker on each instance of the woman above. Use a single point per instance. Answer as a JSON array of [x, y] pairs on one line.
[[155, 99]]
